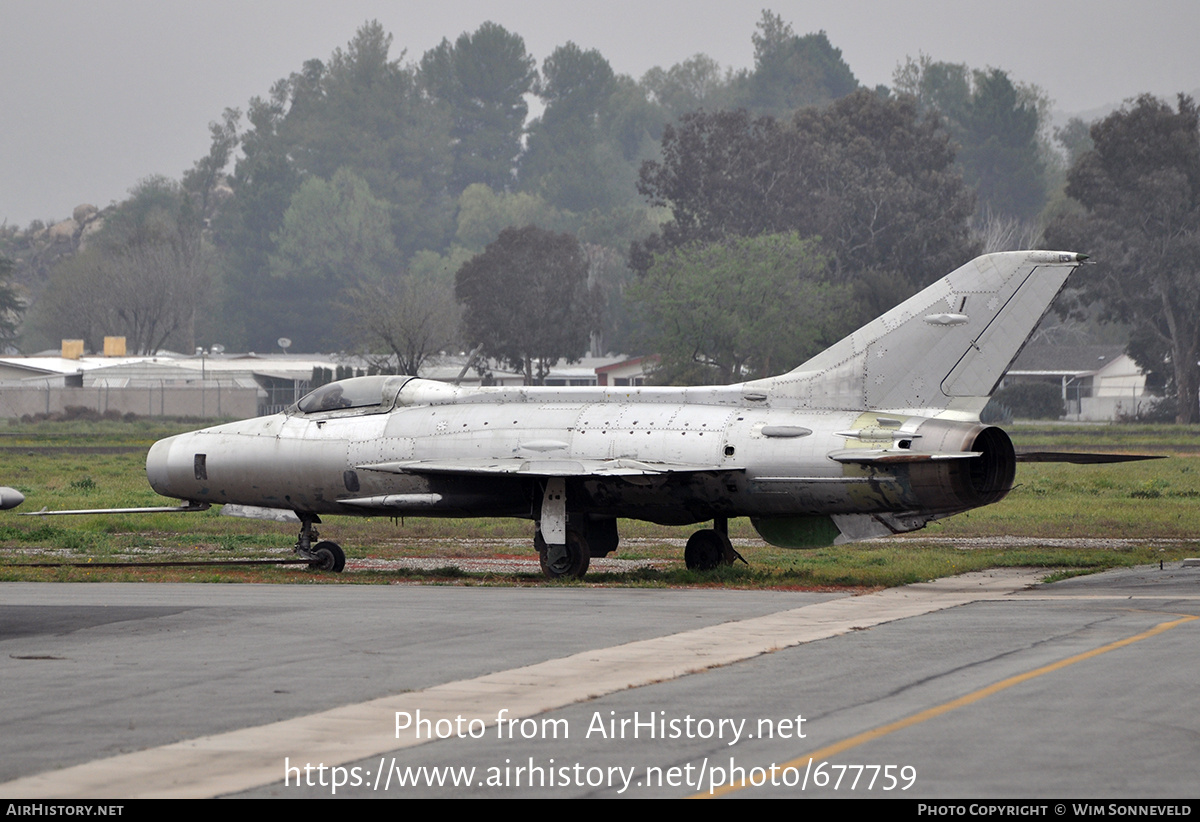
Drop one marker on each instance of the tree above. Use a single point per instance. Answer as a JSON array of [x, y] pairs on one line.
[[886, 196], [365, 112], [872, 177], [1076, 138], [263, 183], [698, 82], [1002, 127], [361, 110], [527, 300], [409, 318], [718, 175], [791, 71], [483, 214], [740, 308], [574, 84], [572, 160], [155, 266], [335, 235], [11, 304], [145, 276], [1000, 154], [935, 85], [483, 78], [201, 182], [1140, 191]]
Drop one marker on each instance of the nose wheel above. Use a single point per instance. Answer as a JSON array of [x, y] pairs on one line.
[[330, 557], [323, 556]]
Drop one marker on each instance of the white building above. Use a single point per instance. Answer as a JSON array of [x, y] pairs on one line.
[[1098, 382]]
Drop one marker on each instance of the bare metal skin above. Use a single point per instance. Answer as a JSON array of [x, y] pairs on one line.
[[879, 434]]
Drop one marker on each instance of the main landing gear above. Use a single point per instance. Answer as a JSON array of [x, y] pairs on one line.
[[565, 550], [562, 552], [709, 548], [324, 556]]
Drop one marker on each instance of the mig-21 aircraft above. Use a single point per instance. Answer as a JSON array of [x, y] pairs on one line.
[[879, 434]]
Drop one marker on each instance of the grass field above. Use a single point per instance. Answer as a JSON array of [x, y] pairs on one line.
[[1149, 510]]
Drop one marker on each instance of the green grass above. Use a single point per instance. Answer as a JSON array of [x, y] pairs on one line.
[[1134, 437], [89, 465], [1155, 499]]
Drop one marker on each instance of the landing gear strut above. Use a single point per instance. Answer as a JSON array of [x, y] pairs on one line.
[[709, 548], [324, 556]]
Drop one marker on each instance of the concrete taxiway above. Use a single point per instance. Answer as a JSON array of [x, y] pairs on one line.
[[977, 686]]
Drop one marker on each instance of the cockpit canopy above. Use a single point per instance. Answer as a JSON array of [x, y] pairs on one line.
[[374, 395], [366, 395]]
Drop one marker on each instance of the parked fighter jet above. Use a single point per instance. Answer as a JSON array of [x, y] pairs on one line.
[[878, 435]]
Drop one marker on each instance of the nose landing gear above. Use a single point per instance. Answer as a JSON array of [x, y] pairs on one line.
[[324, 556]]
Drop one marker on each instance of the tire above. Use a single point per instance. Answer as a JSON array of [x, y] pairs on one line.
[[573, 566], [705, 550], [330, 557]]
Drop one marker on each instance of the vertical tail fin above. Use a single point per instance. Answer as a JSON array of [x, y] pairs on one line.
[[945, 348]]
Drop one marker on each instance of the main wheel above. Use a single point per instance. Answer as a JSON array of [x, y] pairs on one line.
[[330, 557], [705, 550], [572, 564]]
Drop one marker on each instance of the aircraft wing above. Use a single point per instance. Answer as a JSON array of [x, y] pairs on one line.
[[524, 466]]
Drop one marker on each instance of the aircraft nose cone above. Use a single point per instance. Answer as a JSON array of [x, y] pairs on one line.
[[157, 464], [10, 498]]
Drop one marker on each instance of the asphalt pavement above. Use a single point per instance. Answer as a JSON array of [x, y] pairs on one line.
[[978, 686]]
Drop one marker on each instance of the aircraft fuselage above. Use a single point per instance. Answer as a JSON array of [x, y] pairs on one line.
[[621, 454]]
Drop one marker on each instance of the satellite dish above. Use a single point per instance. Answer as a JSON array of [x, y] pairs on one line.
[[284, 343], [217, 349]]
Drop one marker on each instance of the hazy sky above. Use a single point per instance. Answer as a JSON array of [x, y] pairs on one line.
[[98, 95]]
